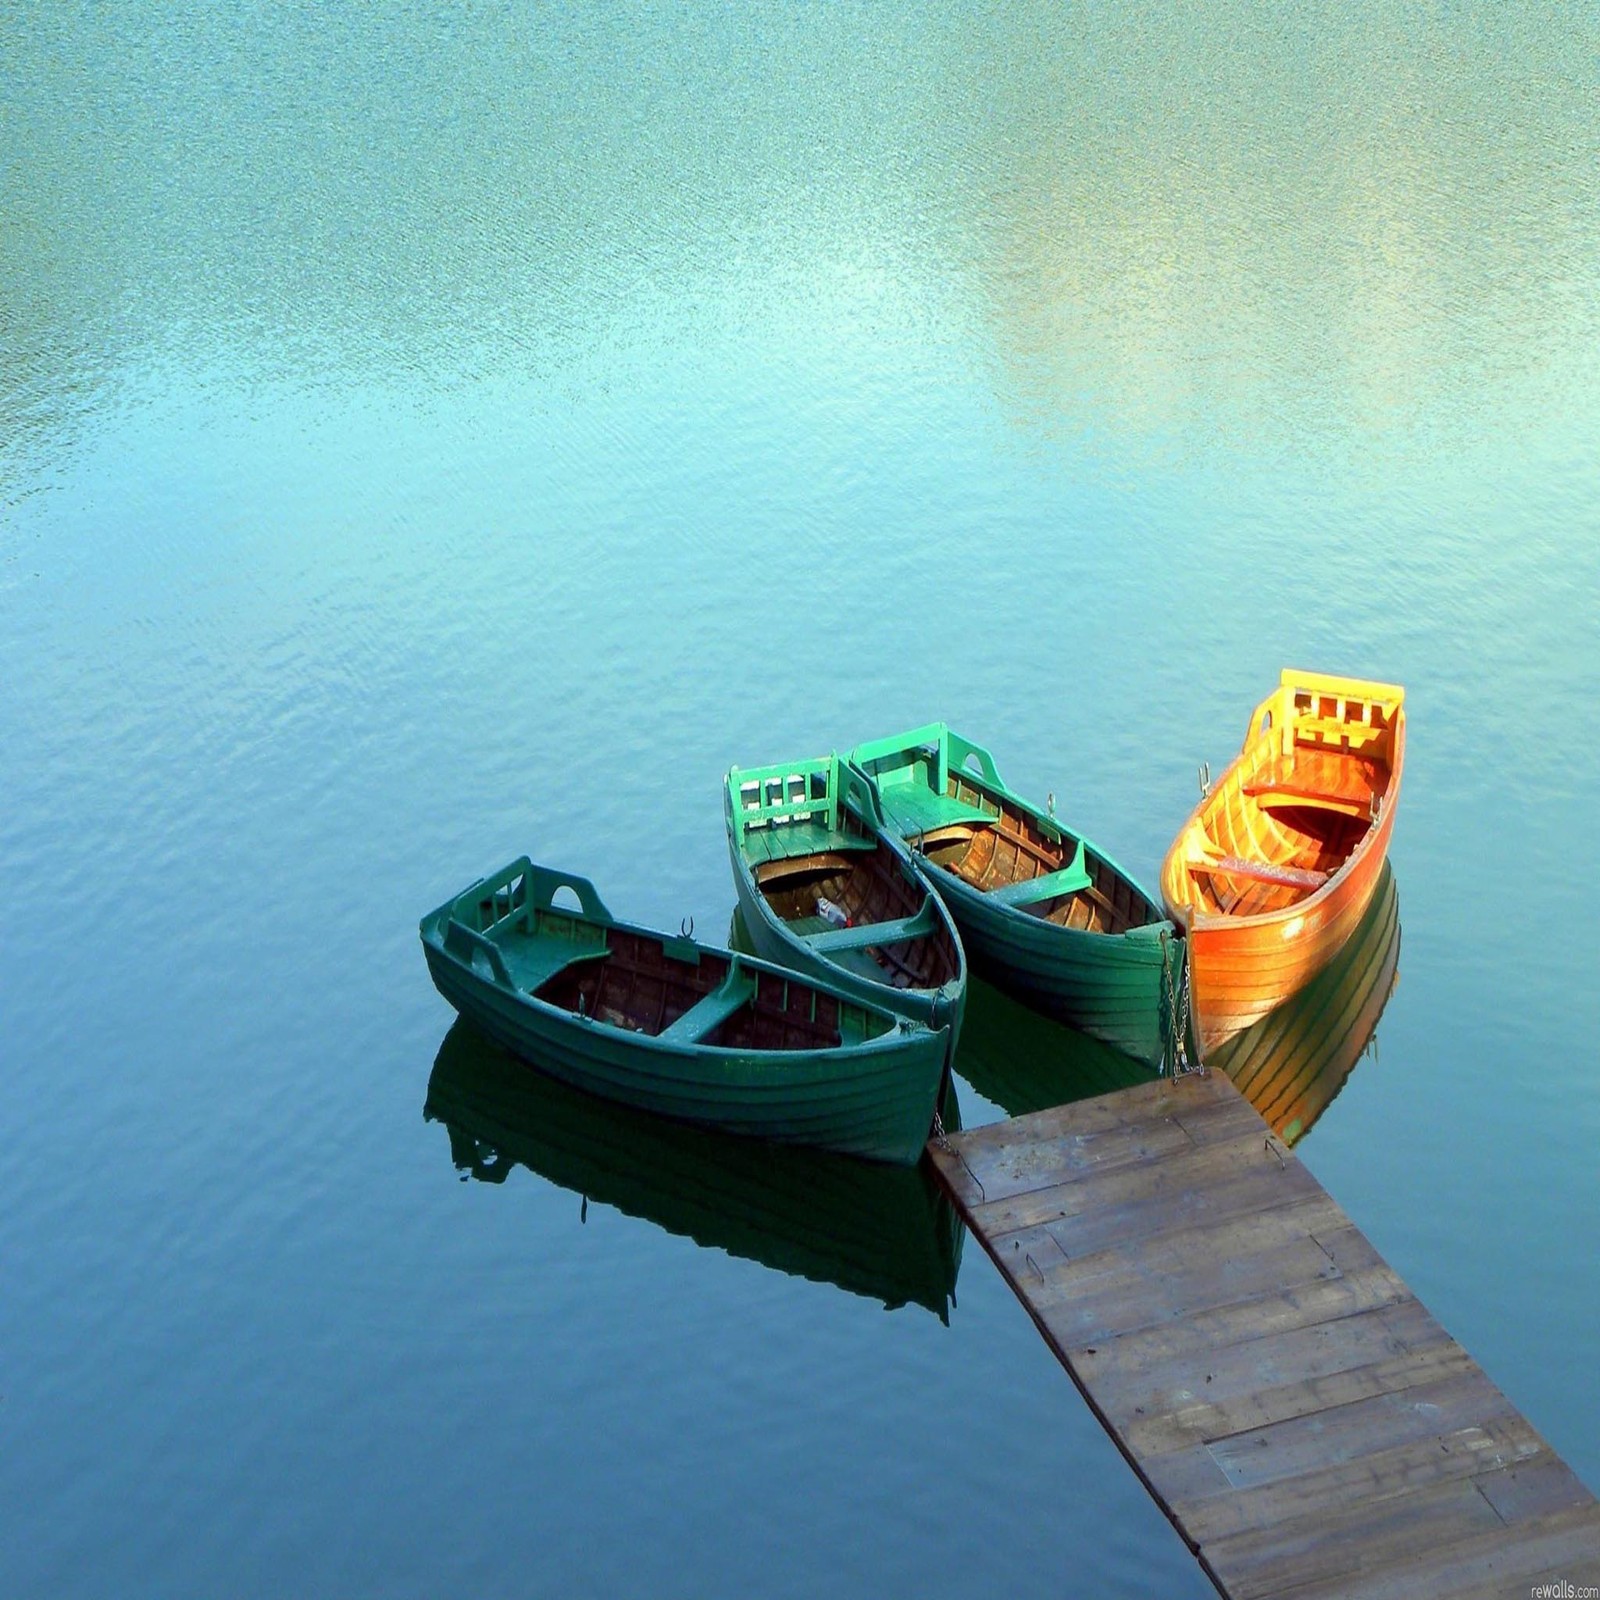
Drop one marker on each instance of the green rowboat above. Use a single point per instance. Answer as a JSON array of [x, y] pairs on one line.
[[685, 1030], [827, 890], [1045, 915]]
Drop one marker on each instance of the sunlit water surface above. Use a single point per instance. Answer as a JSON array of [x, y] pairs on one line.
[[433, 433]]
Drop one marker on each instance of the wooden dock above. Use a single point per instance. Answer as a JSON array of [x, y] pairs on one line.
[[1294, 1409]]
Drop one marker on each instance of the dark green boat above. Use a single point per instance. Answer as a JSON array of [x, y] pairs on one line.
[[826, 889], [1044, 915], [1292, 1064], [678, 1028], [887, 1233]]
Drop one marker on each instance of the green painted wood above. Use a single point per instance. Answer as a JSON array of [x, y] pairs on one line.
[[1118, 988], [796, 809], [1047, 886], [866, 934], [737, 990], [872, 1093]]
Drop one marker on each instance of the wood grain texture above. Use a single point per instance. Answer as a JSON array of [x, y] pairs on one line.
[[1304, 1422], [1275, 868]]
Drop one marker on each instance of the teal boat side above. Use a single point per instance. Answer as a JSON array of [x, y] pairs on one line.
[[1120, 988], [1124, 987], [847, 817], [871, 1094]]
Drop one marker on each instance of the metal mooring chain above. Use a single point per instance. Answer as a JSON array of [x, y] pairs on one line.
[[1178, 1009]]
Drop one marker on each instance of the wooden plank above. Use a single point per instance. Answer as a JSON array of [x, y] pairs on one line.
[[1341, 1377], [1106, 1295], [1111, 1203], [1051, 1153], [1475, 1451], [1259, 872], [1222, 1373], [1308, 1427], [1566, 1543], [1336, 1544]]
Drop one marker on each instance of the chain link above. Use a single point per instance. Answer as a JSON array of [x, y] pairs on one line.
[[1179, 1005]]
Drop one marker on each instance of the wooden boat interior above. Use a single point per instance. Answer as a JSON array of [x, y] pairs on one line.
[[1318, 767], [581, 961], [946, 795], [803, 829]]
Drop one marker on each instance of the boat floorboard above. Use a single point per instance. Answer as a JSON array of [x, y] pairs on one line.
[[1305, 1423]]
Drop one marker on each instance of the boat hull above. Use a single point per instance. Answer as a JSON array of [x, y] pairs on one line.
[[874, 1099], [680, 1029], [1241, 973], [1117, 988], [772, 941], [1244, 966], [1293, 1063], [1044, 915]]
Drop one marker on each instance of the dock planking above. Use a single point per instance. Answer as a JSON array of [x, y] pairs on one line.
[[1303, 1420]]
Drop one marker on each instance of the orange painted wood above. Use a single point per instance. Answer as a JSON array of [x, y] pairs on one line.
[[1275, 867]]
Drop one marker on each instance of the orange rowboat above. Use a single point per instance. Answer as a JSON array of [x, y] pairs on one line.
[[1274, 869]]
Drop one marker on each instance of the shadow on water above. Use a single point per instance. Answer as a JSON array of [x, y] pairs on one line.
[[1294, 1061], [884, 1232], [1024, 1062]]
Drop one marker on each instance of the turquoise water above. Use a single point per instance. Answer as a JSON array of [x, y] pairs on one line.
[[432, 434]]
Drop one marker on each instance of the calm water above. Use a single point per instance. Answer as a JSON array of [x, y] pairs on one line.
[[433, 433]]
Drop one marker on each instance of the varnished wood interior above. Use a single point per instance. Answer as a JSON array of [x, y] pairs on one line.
[[637, 985], [1014, 849], [1299, 799], [869, 886]]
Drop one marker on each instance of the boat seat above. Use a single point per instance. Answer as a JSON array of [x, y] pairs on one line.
[[1260, 872], [1286, 792], [915, 809], [869, 934], [783, 841], [532, 963], [712, 1010], [1068, 880]]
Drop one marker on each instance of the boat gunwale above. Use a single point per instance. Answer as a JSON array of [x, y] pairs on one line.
[[953, 989], [1196, 920], [900, 1026], [997, 788]]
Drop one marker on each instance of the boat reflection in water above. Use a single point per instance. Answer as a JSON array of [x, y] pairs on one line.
[[1024, 1062], [1290, 1064], [1295, 1060], [884, 1232]]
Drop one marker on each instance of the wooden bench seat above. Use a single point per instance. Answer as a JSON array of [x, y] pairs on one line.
[[783, 841], [1261, 872], [1068, 880], [1285, 791], [712, 1010], [915, 809], [532, 963], [868, 934]]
